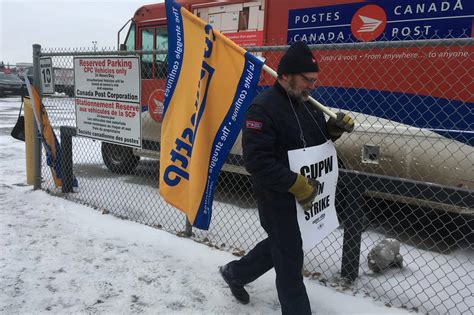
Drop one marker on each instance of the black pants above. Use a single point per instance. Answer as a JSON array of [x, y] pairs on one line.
[[282, 249]]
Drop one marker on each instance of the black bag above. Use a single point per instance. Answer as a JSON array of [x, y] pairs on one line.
[[18, 131]]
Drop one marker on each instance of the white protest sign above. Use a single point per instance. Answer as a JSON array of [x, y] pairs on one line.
[[46, 75], [318, 162], [107, 98]]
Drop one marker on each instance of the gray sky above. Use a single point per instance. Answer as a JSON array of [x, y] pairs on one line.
[[61, 24]]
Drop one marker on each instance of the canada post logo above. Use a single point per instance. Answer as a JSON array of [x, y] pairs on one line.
[[368, 23], [382, 20], [155, 104]]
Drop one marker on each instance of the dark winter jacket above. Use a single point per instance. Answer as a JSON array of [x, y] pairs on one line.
[[270, 130]]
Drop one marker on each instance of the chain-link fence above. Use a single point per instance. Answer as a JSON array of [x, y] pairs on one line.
[[412, 150]]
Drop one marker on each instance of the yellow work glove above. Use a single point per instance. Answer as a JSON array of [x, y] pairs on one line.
[[337, 126], [305, 190]]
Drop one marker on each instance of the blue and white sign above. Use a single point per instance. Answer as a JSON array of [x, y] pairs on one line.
[[388, 20]]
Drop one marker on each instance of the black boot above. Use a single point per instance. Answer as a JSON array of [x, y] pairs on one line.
[[237, 290]]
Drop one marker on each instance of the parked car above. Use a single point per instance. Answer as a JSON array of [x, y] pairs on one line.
[[11, 84]]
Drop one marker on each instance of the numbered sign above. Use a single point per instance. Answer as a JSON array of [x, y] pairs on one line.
[[46, 75]]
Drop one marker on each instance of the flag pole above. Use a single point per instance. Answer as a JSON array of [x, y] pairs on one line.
[[312, 101]]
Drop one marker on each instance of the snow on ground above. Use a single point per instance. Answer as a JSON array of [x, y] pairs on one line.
[[61, 257]]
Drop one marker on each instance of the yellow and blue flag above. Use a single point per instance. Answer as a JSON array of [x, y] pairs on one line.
[[210, 84], [48, 137]]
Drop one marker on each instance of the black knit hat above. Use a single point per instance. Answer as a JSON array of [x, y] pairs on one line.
[[297, 59]]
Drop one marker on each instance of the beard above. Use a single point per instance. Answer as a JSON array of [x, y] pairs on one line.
[[298, 94]]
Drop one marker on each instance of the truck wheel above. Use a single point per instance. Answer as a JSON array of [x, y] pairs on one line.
[[119, 159]]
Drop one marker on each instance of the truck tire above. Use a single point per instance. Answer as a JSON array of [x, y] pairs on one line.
[[119, 159]]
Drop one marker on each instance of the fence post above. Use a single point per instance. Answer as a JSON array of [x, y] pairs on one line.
[[37, 122], [66, 159], [189, 228], [353, 227]]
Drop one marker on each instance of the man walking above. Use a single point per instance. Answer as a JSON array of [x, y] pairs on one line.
[[280, 120]]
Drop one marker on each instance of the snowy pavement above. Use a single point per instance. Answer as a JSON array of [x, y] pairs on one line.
[[61, 257]]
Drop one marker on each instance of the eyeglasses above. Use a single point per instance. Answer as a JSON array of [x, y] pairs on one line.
[[308, 80]]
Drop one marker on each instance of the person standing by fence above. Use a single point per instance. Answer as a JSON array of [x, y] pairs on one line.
[[280, 120]]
